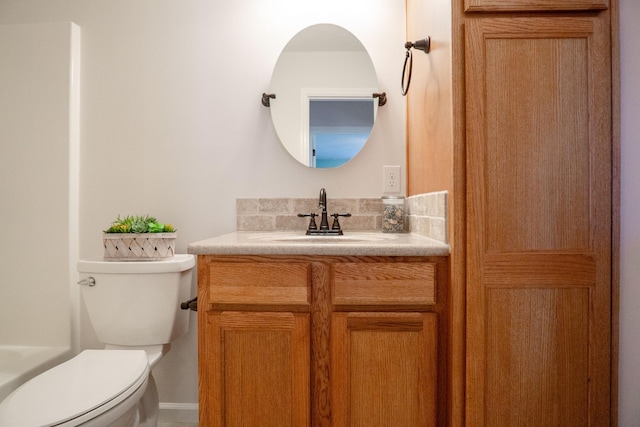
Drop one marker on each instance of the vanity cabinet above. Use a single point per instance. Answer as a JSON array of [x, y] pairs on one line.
[[292, 340]]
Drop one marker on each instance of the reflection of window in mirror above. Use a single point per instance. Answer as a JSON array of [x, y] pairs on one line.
[[338, 129]]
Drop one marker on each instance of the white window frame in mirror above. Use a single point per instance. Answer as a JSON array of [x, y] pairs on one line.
[[308, 94]]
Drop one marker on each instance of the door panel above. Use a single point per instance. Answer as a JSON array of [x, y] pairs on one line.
[[539, 221], [258, 370], [384, 369], [538, 351]]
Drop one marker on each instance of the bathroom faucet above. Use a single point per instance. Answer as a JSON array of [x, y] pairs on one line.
[[324, 219], [322, 204]]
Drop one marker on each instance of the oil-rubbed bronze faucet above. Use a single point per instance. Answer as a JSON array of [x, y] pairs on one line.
[[324, 219], [322, 204]]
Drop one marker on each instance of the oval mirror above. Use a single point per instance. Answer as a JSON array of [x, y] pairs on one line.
[[324, 109]]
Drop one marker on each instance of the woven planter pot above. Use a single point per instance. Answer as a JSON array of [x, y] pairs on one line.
[[138, 246]]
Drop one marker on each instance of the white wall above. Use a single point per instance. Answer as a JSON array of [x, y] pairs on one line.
[[629, 390], [172, 124]]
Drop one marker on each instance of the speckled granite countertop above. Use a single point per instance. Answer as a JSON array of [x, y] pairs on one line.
[[297, 243]]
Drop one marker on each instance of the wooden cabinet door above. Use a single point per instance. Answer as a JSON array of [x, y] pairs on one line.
[[383, 369], [533, 5], [539, 221], [257, 372]]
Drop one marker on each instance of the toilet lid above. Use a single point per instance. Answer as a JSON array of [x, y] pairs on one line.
[[88, 382]]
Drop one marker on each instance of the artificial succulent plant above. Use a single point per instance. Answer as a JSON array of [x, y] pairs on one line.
[[139, 224]]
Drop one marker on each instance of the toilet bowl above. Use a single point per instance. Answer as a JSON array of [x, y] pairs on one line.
[[134, 307]]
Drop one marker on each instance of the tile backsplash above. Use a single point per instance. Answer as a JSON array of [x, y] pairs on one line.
[[426, 214], [282, 214]]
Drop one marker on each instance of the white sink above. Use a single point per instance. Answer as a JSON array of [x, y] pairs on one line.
[[296, 237]]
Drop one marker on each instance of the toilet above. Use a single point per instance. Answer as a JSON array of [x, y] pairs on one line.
[[134, 307]]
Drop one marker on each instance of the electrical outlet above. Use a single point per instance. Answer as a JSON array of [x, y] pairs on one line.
[[390, 179]]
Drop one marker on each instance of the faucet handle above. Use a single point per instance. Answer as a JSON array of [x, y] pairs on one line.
[[312, 222], [336, 223]]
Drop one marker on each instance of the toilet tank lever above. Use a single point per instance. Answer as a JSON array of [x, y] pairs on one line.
[[89, 281]]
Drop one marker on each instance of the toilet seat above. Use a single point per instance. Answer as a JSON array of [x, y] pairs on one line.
[[78, 390]]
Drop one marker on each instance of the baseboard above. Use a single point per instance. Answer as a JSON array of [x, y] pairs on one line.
[[178, 412]]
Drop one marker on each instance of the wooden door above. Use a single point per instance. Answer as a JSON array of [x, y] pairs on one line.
[[258, 370], [533, 5], [539, 221], [383, 369]]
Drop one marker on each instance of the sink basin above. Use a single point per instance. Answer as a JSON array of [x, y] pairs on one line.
[[353, 237]]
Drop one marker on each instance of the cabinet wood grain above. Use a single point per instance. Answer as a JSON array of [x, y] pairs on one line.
[[531, 164], [257, 370], [276, 349], [538, 93], [384, 369], [383, 284]]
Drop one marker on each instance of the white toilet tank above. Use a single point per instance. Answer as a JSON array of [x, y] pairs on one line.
[[136, 303]]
